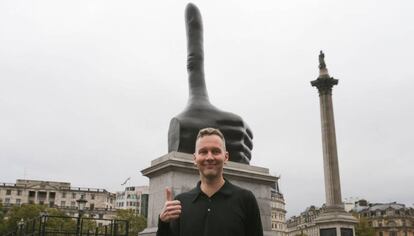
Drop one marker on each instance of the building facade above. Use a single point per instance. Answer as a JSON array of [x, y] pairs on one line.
[[100, 203], [278, 212], [134, 198], [387, 219], [304, 224]]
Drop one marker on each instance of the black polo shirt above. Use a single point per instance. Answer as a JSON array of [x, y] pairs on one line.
[[231, 211]]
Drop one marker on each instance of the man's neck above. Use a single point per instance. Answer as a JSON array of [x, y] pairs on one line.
[[211, 186]]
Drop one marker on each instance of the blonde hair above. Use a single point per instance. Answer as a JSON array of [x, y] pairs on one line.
[[211, 131]]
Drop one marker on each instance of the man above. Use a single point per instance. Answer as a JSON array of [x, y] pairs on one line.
[[215, 206]]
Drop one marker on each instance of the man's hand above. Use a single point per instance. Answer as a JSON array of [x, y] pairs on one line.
[[200, 113], [172, 208]]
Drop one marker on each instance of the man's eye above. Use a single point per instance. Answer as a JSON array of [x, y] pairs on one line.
[[216, 151]]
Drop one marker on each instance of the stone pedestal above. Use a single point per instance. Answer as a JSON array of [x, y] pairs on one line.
[[336, 222], [177, 170]]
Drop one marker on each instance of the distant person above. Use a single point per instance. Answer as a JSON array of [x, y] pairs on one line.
[[215, 206]]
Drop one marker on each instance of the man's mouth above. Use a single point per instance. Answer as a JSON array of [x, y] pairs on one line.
[[210, 165]]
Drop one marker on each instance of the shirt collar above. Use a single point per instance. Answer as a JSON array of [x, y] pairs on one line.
[[226, 189]]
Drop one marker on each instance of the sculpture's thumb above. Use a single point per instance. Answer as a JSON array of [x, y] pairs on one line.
[[195, 53], [168, 194]]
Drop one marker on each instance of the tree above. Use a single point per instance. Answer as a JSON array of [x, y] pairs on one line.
[[57, 220], [137, 223], [2, 221], [363, 228], [25, 212]]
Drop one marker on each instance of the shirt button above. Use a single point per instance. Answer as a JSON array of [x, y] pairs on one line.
[[208, 209]]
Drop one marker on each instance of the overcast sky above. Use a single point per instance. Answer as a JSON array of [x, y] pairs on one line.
[[87, 89]]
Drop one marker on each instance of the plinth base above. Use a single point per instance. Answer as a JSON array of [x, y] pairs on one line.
[[177, 171], [336, 222]]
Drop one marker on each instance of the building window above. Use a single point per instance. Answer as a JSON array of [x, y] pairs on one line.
[[7, 201], [73, 195], [92, 196], [51, 203], [100, 216], [41, 196], [19, 192], [8, 192], [91, 206], [62, 204], [64, 195], [73, 204], [32, 194], [381, 234], [18, 201]]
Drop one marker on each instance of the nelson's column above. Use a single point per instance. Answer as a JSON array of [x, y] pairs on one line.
[[334, 221]]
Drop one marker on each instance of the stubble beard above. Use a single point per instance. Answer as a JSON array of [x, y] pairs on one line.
[[211, 175]]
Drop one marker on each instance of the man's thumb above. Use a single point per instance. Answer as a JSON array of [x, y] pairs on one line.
[[168, 194]]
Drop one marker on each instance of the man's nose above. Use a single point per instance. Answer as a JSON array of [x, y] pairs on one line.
[[209, 156]]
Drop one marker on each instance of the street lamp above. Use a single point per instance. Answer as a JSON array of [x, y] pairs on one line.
[[21, 225], [81, 207]]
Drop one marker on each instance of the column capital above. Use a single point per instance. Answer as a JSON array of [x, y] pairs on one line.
[[324, 84]]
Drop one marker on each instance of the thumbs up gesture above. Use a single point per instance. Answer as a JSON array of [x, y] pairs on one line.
[[172, 208], [200, 113]]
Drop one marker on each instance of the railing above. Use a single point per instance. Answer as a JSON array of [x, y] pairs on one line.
[[70, 226]]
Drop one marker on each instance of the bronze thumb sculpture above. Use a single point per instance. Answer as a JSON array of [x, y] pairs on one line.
[[200, 113]]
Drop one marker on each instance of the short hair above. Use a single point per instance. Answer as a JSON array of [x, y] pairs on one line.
[[211, 131]]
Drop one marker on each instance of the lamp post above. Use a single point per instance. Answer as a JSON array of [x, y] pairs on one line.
[[21, 225], [81, 206], [43, 219]]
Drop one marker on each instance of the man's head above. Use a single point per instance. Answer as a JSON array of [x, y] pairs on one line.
[[210, 153]]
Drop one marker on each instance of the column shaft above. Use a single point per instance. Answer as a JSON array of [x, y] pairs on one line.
[[330, 156]]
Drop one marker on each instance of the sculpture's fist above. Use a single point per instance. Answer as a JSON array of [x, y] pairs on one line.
[[200, 113]]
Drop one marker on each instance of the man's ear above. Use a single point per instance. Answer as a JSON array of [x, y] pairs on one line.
[[227, 156], [194, 159]]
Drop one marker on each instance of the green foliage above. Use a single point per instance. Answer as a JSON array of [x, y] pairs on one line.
[[137, 223], [25, 212], [2, 221], [58, 221], [89, 225], [363, 228]]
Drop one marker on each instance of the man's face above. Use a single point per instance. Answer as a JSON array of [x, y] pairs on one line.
[[210, 156]]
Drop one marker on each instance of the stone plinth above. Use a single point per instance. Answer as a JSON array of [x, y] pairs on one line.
[[177, 170], [336, 222]]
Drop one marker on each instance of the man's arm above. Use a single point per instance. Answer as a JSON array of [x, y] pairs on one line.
[[254, 225], [170, 213], [163, 228]]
